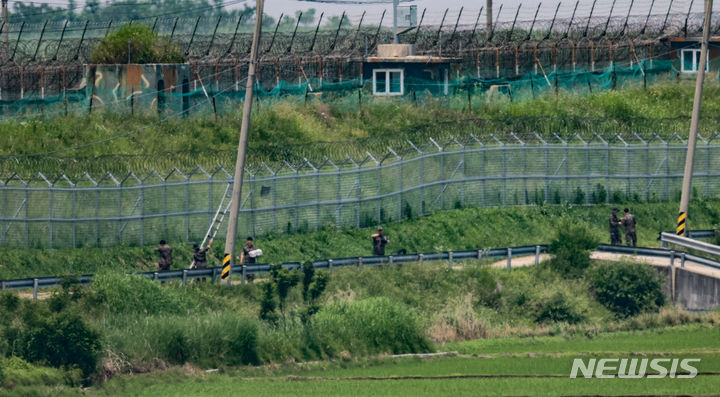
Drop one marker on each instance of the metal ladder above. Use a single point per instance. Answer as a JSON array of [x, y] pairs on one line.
[[216, 221]]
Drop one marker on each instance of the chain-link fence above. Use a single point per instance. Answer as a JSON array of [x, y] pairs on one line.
[[43, 213]]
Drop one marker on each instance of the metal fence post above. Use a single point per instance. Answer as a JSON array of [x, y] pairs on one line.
[[214, 275], [156, 276], [142, 213], [400, 188], [537, 255], [607, 172], [35, 288], [682, 260], [97, 215], [184, 277], [360, 262], [358, 193], [187, 209], [317, 198], [51, 212], [509, 258], [422, 183], [244, 273], [164, 208], [390, 261], [450, 259], [547, 172], [379, 191], [2, 285], [330, 265], [295, 200], [74, 214], [464, 176], [420, 258], [119, 225], [479, 257], [672, 258], [252, 204]]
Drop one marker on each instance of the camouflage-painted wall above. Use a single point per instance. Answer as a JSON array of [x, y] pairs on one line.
[[139, 88]]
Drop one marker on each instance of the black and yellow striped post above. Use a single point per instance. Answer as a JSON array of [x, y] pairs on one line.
[[225, 273], [680, 231]]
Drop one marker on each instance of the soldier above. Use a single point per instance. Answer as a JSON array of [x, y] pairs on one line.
[[200, 258], [245, 257], [165, 257], [628, 221], [379, 242], [614, 231]]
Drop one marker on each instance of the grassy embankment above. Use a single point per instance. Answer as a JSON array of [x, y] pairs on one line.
[[134, 325], [291, 132], [471, 228]]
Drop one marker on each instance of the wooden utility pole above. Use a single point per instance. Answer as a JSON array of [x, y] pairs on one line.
[[694, 121], [488, 18], [231, 237]]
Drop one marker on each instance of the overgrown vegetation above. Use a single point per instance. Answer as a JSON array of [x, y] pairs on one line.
[[135, 44], [571, 247], [288, 131], [627, 289], [46, 334], [347, 314]]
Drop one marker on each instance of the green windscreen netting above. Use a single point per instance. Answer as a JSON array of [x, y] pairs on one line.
[[459, 92]]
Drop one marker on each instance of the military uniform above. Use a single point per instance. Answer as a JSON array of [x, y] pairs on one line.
[[200, 258], [628, 221], [165, 257], [246, 254], [379, 243], [615, 238]]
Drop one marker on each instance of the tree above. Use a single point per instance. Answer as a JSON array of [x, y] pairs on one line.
[[144, 47], [306, 17]]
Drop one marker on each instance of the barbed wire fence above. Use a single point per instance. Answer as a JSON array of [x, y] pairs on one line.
[[132, 209], [46, 59]]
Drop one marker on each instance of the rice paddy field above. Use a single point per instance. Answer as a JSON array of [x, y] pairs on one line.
[[512, 366]]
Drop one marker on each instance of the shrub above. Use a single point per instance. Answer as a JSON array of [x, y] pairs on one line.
[[64, 340], [571, 246], [308, 271], [268, 304], [208, 340], [626, 288], [369, 326], [18, 372], [176, 349], [457, 321], [9, 302], [482, 284], [144, 45], [558, 305], [121, 293]]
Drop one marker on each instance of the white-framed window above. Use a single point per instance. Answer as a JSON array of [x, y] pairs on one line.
[[388, 82], [690, 60]]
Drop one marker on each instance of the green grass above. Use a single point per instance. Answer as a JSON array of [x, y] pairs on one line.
[[284, 130], [221, 386], [681, 339], [465, 375], [470, 228]]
